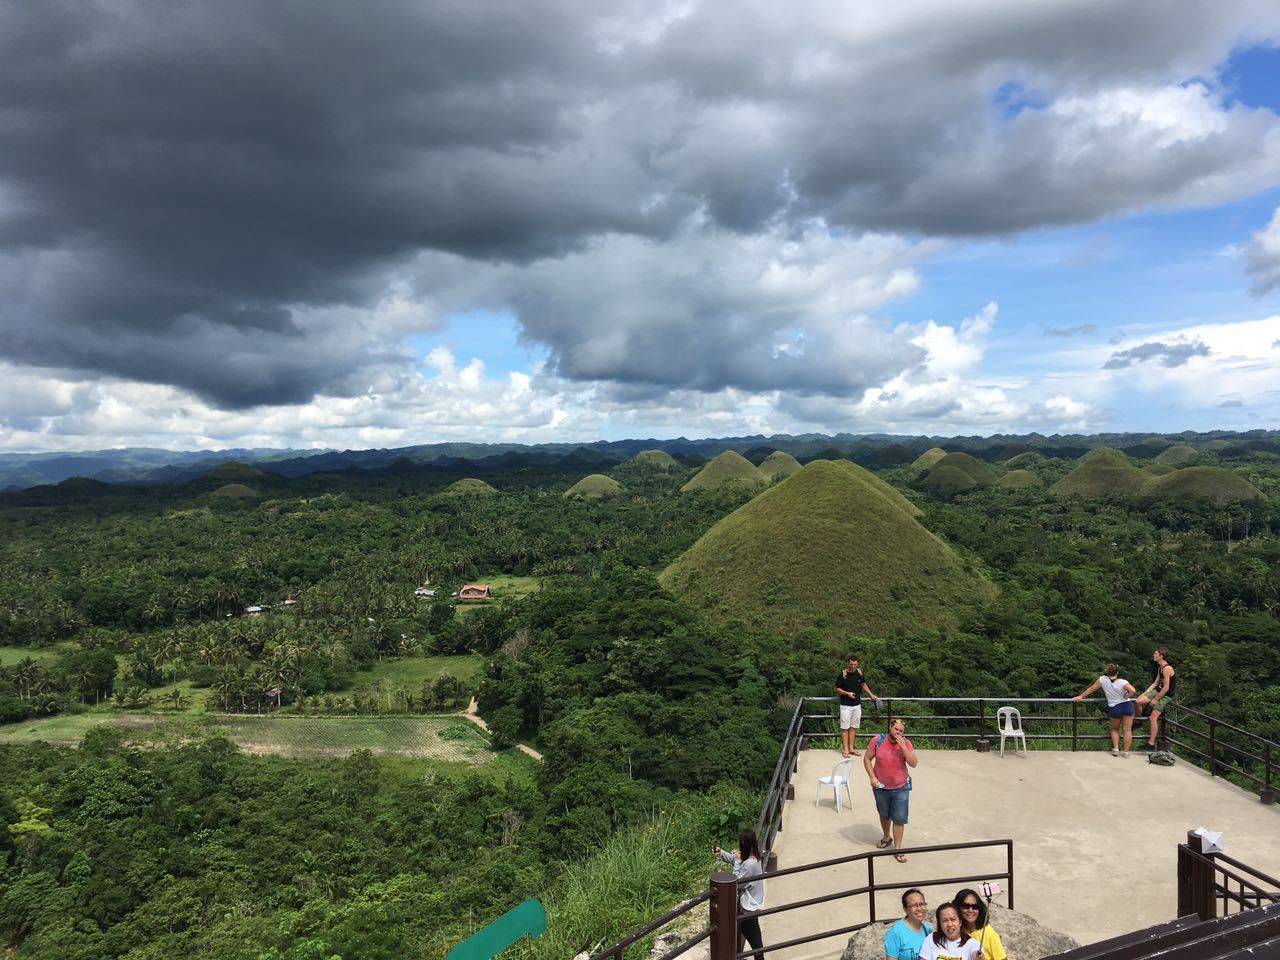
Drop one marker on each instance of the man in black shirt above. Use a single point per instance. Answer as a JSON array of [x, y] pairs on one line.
[[850, 686]]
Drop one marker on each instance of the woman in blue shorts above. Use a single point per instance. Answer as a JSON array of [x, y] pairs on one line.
[[1119, 694]]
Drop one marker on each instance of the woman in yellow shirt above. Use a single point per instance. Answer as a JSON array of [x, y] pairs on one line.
[[973, 921]]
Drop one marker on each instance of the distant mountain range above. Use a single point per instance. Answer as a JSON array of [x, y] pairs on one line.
[[148, 466]]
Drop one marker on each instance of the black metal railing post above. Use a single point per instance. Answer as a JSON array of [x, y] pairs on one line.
[[1009, 870], [1268, 794], [724, 917], [1195, 879], [1075, 725], [1213, 744], [984, 745], [871, 889]]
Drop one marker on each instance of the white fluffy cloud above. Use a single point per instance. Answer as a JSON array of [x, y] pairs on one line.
[[1263, 257]]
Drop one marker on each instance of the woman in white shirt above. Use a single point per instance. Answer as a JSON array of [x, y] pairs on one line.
[[1120, 708], [948, 940], [747, 864]]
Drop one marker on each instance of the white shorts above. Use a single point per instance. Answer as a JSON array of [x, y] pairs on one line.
[[850, 717]]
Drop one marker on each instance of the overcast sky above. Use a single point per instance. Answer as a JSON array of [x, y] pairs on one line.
[[355, 225]]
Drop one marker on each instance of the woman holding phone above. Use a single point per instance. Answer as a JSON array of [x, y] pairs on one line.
[[886, 761]]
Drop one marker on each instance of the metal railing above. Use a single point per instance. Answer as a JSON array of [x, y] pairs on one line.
[[1204, 883], [724, 894]]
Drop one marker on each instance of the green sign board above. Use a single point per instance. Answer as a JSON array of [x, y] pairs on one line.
[[527, 919]]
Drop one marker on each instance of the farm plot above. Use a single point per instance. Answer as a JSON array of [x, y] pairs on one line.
[[432, 738]]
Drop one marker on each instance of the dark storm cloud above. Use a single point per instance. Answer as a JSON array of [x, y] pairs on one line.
[[1168, 354], [209, 194]]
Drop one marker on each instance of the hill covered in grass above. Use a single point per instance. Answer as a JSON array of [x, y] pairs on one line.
[[1102, 472], [1019, 480], [469, 487], [655, 460], [947, 481], [827, 549], [883, 487], [1179, 455], [728, 467], [236, 491], [594, 487], [928, 460], [1202, 483], [779, 465], [1025, 460]]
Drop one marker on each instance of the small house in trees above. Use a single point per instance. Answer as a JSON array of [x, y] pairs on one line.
[[475, 591], [254, 611], [424, 592]]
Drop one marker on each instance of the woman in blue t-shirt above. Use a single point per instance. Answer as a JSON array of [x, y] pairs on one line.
[[902, 941]]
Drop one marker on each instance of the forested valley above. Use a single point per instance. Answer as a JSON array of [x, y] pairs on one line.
[[232, 711]]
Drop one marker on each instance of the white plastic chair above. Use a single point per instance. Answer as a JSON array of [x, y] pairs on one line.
[[1010, 722], [838, 780]]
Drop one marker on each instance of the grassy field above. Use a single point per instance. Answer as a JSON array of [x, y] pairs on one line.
[[448, 739], [11, 655], [409, 673], [504, 587]]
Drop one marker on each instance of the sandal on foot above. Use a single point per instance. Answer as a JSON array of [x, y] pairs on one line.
[[886, 842], [900, 857]]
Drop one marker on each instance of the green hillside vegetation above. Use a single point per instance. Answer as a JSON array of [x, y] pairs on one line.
[[1019, 480], [234, 470], [1217, 446], [236, 491], [1179, 455], [1026, 460], [947, 481], [656, 460], [779, 465], [1102, 472], [728, 467], [975, 469], [1157, 469], [1202, 483], [888, 490], [593, 487], [927, 460], [828, 550], [469, 487]]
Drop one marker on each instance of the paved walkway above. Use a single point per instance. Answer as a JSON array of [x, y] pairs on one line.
[[1095, 838]]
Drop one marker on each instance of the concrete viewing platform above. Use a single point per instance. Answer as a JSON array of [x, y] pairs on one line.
[[1095, 839]]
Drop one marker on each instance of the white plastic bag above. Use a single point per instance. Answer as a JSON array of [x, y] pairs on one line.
[[1210, 841]]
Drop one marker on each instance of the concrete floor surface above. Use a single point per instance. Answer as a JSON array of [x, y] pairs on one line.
[[1095, 839]]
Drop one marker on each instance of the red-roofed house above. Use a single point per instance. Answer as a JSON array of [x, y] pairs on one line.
[[475, 591]]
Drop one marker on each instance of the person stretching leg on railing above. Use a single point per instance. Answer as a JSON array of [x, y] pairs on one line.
[[886, 762]]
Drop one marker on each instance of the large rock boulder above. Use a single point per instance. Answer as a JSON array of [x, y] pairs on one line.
[[1023, 938]]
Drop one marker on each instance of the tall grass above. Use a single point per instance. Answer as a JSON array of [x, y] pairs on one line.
[[637, 875]]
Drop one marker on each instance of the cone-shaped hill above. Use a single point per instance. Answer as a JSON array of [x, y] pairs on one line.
[[779, 465], [594, 487], [975, 469], [928, 460], [234, 470], [1019, 480], [1179, 455], [1102, 472], [1024, 461], [728, 467], [886, 489], [947, 481], [236, 491], [469, 487], [1201, 483], [1157, 469], [825, 549], [658, 460], [1217, 446]]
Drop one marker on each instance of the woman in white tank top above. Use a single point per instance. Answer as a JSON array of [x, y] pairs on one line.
[[1119, 694]]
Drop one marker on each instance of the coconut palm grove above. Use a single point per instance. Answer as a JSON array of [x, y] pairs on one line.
[[253, 714]]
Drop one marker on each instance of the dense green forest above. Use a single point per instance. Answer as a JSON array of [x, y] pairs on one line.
[[121, 618]]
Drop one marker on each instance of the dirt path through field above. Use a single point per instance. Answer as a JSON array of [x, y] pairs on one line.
[[470, 714]]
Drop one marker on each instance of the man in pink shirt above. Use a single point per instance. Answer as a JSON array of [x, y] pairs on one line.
[[886, 762]]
